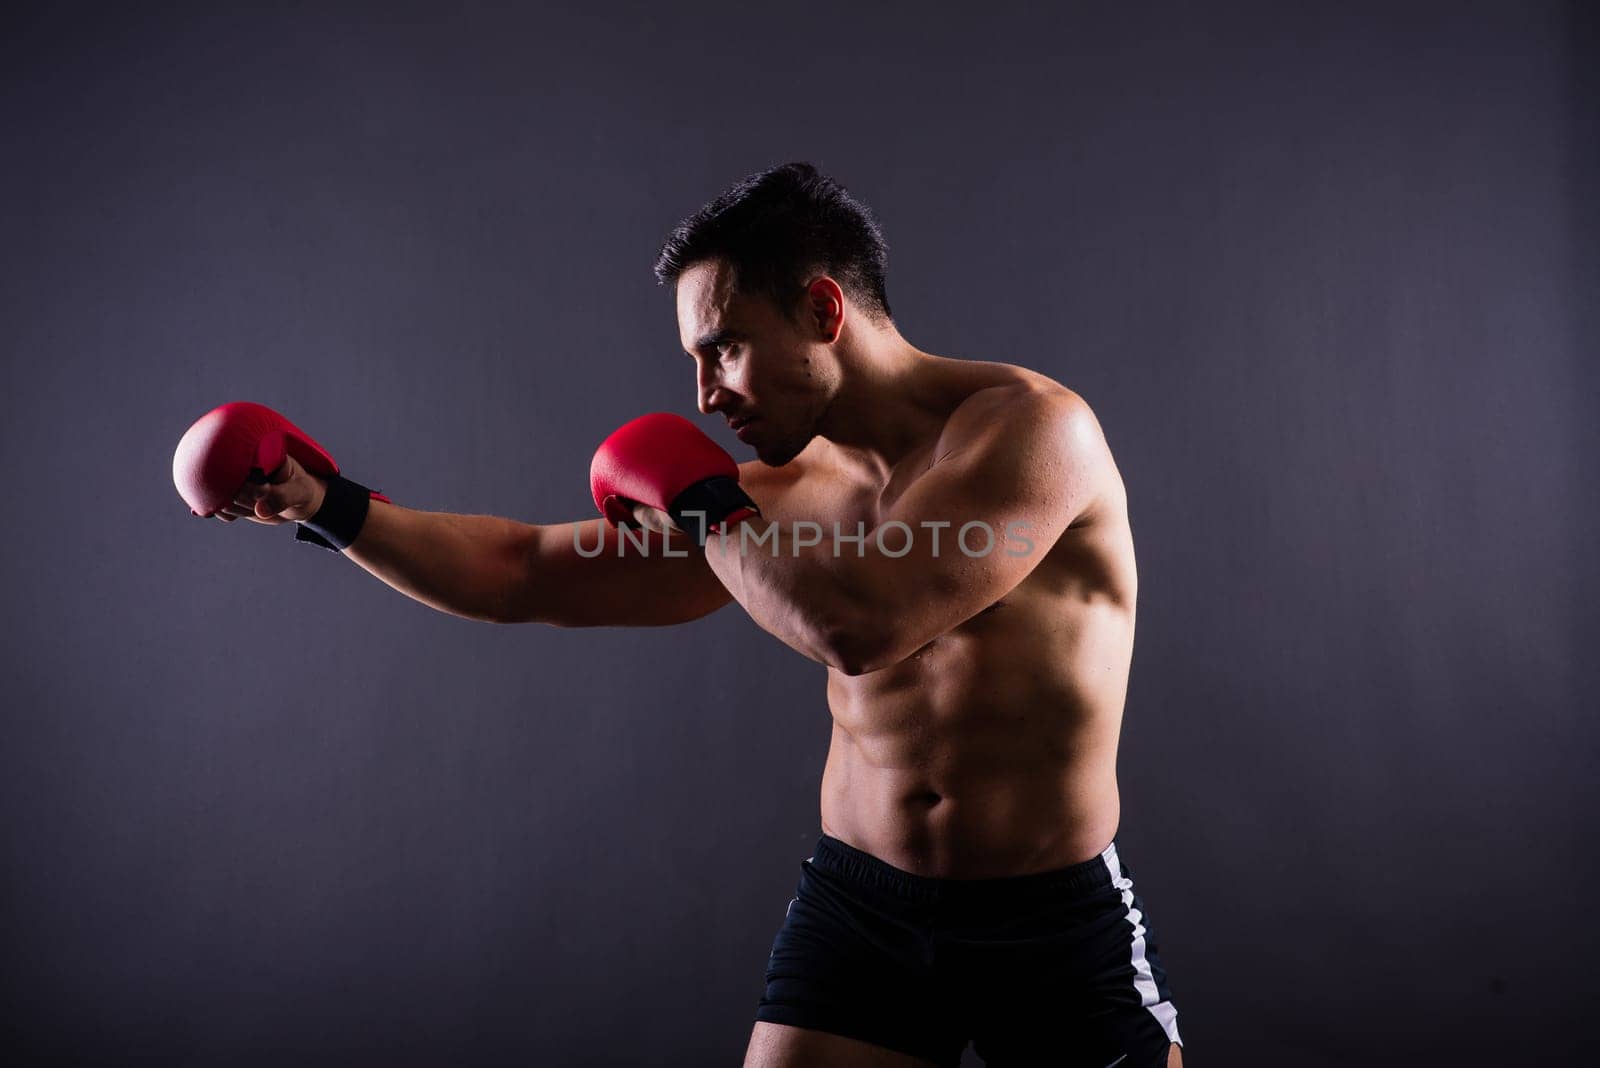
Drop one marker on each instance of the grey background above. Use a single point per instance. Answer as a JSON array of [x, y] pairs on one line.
[[1327, 273]]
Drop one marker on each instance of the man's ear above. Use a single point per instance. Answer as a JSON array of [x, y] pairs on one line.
[[825, 307]]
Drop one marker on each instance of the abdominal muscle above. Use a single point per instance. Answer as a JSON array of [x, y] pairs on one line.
[[992, 751]]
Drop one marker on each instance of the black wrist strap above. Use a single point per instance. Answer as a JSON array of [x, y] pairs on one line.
[[339, 520], [704, 506]]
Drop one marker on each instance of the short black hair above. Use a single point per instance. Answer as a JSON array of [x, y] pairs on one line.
[[775, 227]]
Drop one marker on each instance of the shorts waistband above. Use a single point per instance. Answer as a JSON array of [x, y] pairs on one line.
[[1098, 873]]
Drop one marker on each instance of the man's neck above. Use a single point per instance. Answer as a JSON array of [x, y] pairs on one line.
[[884, 408]]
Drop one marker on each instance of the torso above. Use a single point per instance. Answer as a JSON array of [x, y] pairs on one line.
[[992, 750]]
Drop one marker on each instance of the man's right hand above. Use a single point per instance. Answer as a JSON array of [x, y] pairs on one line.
[[290, 494]]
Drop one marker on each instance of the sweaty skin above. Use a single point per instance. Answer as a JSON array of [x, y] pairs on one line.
[[991, 749], [976, 703]]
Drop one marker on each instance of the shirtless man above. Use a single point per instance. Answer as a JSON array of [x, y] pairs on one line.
[[966, 885]]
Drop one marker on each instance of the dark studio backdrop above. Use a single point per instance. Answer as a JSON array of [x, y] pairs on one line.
[[1327, 274]]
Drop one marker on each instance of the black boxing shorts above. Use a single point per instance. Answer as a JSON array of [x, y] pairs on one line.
[[1057, 967]]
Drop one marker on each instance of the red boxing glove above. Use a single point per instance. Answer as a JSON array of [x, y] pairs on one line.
[[665, 461], [238, 442]]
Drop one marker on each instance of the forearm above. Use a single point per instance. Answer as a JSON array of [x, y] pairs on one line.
[[801, 595], [468, 565]]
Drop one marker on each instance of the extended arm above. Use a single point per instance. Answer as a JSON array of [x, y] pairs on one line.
[[243, 460], [501, 571]]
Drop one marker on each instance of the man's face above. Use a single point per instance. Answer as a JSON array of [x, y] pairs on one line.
[[764, 373]]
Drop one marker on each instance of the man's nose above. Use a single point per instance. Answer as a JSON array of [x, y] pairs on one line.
[[713, 400], [711, 394]]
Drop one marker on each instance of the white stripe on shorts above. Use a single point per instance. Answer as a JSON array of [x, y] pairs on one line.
[[1143, 981]]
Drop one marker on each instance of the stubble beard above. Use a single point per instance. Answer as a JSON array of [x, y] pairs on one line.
[[776, 454]]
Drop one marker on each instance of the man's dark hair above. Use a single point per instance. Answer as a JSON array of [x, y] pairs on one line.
[[775, 228]]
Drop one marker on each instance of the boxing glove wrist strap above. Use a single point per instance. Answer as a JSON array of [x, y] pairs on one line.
[[339, 520], [705, 506]]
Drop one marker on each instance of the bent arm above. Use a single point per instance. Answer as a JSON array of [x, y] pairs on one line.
[[1021, 464], [496, 570]]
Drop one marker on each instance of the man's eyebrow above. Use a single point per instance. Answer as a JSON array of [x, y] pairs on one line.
[[713, 339]]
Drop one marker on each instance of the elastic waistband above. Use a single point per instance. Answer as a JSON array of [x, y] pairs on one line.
[[1095, 874]]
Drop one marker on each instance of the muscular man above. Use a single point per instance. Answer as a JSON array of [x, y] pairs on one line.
[[966, 885]]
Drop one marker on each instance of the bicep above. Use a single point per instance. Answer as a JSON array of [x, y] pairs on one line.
[[998, 502], [591, 574]]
